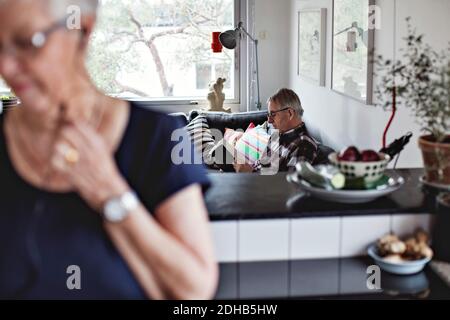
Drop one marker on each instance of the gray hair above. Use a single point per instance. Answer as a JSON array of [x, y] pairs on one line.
[[59, 8], [288, 98]]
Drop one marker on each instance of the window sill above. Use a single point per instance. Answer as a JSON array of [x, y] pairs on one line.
[[186, 108]]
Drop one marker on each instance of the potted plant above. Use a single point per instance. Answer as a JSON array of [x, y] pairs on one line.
[[7, 101], [420, 81]]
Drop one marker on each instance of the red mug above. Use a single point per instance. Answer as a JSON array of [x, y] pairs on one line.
[[216, 46]]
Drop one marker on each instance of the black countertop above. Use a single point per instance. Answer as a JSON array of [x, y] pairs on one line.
[[324, 279], [252, 196]]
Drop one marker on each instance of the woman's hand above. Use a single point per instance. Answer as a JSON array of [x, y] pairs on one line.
[[82, 156]]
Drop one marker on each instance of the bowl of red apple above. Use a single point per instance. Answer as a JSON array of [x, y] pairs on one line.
[[367, 164]]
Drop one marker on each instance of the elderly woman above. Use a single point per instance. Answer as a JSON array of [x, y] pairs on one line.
[[91, 204]]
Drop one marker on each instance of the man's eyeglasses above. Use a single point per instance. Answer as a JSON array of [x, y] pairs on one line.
[[21, 46], [272, 114]]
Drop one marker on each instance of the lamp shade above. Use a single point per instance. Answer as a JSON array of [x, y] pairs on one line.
[[228, 39]]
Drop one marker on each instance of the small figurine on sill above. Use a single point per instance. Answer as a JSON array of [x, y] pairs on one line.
[[216, 97]]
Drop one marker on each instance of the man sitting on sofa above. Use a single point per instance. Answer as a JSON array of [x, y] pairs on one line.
[[291, 142]]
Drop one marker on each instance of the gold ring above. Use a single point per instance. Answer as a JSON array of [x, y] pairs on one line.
[[71, 155]]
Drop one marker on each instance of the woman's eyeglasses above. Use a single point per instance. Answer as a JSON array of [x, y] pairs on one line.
[[21, 46], [272, 114]]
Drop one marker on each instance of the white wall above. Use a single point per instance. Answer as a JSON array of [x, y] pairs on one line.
[[342, 121], [272, 27]]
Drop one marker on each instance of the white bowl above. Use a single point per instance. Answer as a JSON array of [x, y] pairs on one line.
[[346, 196], [401, 268], [370, 171]]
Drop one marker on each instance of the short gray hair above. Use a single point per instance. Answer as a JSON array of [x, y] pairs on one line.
[[58, 8], [288, 98]]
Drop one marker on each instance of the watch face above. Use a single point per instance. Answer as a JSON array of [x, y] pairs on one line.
[[114, 211], [117, 209]]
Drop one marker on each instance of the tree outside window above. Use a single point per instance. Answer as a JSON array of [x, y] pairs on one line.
[[153, 49], [208, 73]]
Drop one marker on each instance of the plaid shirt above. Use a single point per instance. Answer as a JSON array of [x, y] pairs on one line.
[[286, 150]]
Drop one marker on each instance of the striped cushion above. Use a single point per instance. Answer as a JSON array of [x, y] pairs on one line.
[[201, 134], [252, 145]]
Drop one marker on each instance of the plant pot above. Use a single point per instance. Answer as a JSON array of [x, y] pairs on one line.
[[436, 158], [443, 202], [441, 236]]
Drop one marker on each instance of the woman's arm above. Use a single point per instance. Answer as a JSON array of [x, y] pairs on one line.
[[171, 255]]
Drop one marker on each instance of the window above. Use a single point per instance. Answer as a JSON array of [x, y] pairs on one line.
[[203, 76], [207, 73], [160, 50], [3, 87]]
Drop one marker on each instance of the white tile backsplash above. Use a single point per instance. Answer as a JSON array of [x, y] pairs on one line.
[[404, 225], [315, 238], [359, 232], [307, 238], [263, 240], [225, 237]]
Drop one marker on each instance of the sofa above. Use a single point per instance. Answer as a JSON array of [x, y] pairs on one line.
[[222, 121]]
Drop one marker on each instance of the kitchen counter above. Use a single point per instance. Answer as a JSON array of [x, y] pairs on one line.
[[324, 279], [265, 218], [252, 196]]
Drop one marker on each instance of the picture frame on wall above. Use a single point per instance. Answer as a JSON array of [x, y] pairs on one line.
[[353, 45], [312, 25]]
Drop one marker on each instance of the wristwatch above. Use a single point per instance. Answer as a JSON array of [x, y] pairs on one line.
[[118, 209]]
